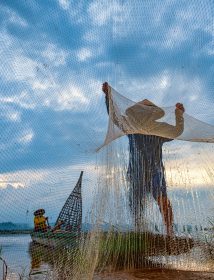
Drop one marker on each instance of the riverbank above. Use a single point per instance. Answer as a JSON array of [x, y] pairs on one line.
[[157, 274], [21, 255]]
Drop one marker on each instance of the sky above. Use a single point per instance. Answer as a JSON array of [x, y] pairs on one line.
[[54, 56]]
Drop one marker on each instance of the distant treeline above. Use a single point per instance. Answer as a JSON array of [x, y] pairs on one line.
[[9, 226], [18, 231]]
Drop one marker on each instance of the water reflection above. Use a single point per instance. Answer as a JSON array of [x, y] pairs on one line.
[[189, 256], [41, 260], [46, 261], [40, 254], [27, 260], [14, 250]]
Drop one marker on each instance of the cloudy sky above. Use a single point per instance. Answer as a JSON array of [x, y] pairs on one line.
[[54, 56]]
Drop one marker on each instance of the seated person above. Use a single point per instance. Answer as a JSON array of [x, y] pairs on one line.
[[40, 222]]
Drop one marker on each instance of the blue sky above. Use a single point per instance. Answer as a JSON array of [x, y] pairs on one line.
[[54, 57]]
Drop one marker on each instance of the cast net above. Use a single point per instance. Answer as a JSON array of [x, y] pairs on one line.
[[144, 117], [146, 198], [133, 225]]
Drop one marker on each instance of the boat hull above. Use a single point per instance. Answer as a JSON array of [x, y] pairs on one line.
[[58, 239]]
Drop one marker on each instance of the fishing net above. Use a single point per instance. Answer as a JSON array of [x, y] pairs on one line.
[[146, 196], [135, 234], [128, 117]]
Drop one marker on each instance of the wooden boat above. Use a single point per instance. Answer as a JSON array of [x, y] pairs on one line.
[[70, 220], [55, 239]]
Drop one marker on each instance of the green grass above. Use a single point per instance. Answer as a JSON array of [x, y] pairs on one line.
[[111, 251]]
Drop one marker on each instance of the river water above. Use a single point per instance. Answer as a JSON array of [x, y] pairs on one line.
[[15, 251], [23, 258]]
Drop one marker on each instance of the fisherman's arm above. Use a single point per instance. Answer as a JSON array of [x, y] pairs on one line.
[[171, 132], [179, 118], [106, 90]]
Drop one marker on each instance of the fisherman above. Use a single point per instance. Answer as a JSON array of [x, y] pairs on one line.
[[145, 169], [40, 222]]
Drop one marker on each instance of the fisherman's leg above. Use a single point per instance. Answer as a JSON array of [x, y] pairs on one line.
[[133, 205], [166, 212], [136, 207], [160, 195], [136, 203]]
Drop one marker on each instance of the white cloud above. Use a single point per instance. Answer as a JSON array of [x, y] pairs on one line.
[[151, 20], [8, 113], [64, 4], [194, 97], [93, 35], [16, 66], [193, 17], [27, 137], [32, 177], [15, 116], [20, 68], [38, 85], [23, 178], [24, 100], [166, 89], [164, 82], [84, 54], [23, 68], [10, 185], [5, 40], [17, 19], [101, 12], [12, 17], [188, 19], [153, 88], [188, 165], [174, 37], [55, 55], [44, 188], [42, 85], [209, 48], [71, 98]]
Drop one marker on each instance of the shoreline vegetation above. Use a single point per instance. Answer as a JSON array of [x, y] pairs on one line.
[[11, 228], [119, 258], [28, 231]]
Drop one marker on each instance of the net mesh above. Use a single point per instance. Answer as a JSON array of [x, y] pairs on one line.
[[128, 117], [147, 200], [70, 217]]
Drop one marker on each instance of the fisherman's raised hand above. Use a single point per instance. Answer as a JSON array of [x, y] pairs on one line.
[[105, 88], [179, 108]]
